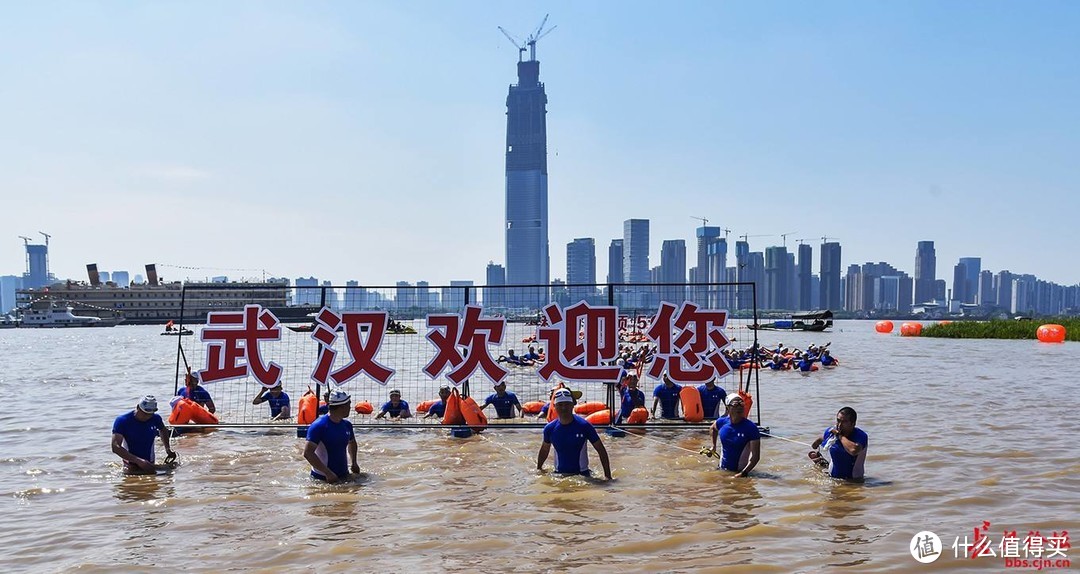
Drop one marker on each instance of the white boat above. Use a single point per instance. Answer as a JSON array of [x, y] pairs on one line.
[[8, 322], [49, 314]]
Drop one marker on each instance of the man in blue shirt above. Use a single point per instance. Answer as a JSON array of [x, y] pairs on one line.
[[739, 437], [331, 443], [395, 407], [133, 438], [504, 401], [194, 391], [712, 397], [439, 409], [632, 398], [570, 434], [848, 450], [278, 400], [667, 394]]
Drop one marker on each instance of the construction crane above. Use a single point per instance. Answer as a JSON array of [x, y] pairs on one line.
[[47, 236], [825, 239], [704, 221], [783, 237], [801, 239], [517, 43], [745, 236], [26, 240], [530, 42]]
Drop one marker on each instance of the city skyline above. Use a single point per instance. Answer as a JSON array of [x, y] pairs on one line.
[[245, 151]]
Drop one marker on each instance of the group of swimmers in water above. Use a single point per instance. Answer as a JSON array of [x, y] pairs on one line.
[[331, 443]]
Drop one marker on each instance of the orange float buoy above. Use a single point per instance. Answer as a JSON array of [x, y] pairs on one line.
[[532, 407], [884, 327], [1051, 333], [691, 404], [910, 329], [588, 408], [474, 417], [426, 406], [188, 411], [309, 408], [364, 408], [600, 417], [748, 401], [452, 415], [638, 416]]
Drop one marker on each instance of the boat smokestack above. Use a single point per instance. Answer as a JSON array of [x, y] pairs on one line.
[[151, 274], [95, 279]]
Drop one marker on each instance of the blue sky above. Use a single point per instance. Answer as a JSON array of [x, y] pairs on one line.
[[365, 140]]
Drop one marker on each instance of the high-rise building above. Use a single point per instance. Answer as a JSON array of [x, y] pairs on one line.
[[454, 296], [37, 272], [777, 287], [1003, 284], [805, 274], [925, 272], [527, 261], [987, 297], [673, 270], [495, 293], [405, 296], [307, 292], [966, 280], [332, 299], [581, 268], [615, 261], [9, 284], [425, 297], [711, 266], [636, 251], [830, 289]]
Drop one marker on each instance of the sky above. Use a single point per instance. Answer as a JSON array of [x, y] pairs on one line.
[[364, 141]]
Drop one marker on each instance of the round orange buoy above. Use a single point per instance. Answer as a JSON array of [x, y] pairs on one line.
[[911, 329], [588, 408], [364, 408], [426, 406], [638, 416], [600, 417], [884, 327], [532, 407], [1051, 333]]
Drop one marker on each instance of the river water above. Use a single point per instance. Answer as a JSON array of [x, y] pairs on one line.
[[961, 432]]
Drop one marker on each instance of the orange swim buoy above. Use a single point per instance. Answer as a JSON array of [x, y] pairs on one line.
[[589, 408], [600, 417], [884, 326], [474, 417], [188, 411], [425, 406], [364, 408], [1051, 333], [638, 416], [691, 405], [748, 401], [911, 329], [452, 415], [309, 408], [532, 407]]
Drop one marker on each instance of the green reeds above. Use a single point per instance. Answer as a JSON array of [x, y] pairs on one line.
[[1000, 329]]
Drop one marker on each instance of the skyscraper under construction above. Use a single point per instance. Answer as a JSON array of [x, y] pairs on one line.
[[527, 260]]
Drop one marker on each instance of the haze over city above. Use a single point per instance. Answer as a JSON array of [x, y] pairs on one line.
[[367, 141]]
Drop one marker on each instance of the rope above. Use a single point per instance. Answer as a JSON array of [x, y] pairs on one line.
[[807, 445], [659, 441]]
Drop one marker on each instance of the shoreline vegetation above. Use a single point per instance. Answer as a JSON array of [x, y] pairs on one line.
[[1001, 329]]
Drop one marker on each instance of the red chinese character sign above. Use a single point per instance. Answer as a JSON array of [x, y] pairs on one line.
[[362, 350], [232, 341], [688, 343], [462, 345], [580, 340]]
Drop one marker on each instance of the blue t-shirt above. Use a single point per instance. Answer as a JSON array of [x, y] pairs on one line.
[[711, 400], [201, 395], [669, 400], [332, 439], [281, 400], [735, 439], [828, 360], [400, 411], [571, 444], [843, 464], [543, 410], [806, 364], [138, 435], [504, 405], [630, 401], [438, 409]]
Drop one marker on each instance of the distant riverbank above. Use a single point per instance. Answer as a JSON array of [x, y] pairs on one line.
[[1000, 329]]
